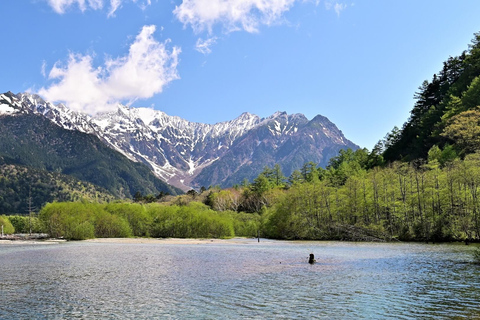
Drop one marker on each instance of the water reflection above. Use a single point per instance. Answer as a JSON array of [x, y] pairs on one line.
[[270, 279]]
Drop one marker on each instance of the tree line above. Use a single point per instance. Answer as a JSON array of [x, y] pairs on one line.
[[417, 201], [423, 201], [446, 111], [85, 220]]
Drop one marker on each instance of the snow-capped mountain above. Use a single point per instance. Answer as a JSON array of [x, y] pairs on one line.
[[189, 154]]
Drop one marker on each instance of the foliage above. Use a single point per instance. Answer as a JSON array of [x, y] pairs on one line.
[[23, 189], [135, 214], [438, 115], [195, 220], [464, 130], [81, 220], [107, 225], [7, 225], [73, 221], [25, 224], [436, 200], [246, 224]]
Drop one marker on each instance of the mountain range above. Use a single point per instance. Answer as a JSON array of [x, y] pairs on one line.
[[188, 154]]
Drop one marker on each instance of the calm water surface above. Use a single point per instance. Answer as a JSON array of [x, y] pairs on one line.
[[241, 279]]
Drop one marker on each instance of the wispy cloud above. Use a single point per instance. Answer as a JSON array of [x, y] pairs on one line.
[[233, 15], [339, 7], [336, 6], [61, 6], [144, 72], [43, 69], [114, 5], [203, 46]]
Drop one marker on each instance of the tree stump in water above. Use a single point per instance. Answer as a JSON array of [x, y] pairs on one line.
[[311, 260]]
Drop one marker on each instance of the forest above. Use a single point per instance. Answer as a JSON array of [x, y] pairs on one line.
[[419, 183], [400, 201]]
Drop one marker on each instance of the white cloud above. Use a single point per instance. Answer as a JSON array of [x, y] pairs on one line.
[[60, 6], [43, 69], [144, 72], [203, 46], [337, 7], [232, 14], [143, 5], [114, 5]]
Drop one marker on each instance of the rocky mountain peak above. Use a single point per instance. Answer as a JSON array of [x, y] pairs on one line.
[[190, 154]]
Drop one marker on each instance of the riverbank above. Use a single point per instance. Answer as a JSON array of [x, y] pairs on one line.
[[25, 236], [169, 241], [37, 239]]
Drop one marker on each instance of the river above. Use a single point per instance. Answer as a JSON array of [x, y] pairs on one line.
[[238, 279]]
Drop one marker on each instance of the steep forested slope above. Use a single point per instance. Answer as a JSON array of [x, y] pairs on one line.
[[436, 117], [24, 189], [34, 141]]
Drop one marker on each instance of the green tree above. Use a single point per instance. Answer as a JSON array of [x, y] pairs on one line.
[[434, 154], [278, 177], [471, 97], [295, 177], [6, 225], [309, 171], [464, 130]]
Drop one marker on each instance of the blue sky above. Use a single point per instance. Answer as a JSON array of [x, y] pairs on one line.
[[356, 62]]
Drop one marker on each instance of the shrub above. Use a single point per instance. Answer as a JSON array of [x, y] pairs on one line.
[[135, 214], [111, 226], [194, 220], [69, 220], [23, 224], [245, 224], [7, 225]]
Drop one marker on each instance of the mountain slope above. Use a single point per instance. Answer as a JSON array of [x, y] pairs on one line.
[[287, 140], [24, 188], [452, 91], [32, 140], [188, 154]]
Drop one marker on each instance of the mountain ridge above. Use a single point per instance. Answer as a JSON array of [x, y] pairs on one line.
[[178, 150]]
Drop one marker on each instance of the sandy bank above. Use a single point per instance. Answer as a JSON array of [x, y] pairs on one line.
[[16, 241]]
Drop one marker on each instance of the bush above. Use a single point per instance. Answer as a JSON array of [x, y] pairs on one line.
[[82, 231], [78, 221], [7, 225], [70, 220], [194, 220], [23, 224], [135, 214], [245, 224], [111, 226]]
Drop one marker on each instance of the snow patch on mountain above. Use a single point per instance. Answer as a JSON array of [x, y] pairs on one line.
[[6, 109]]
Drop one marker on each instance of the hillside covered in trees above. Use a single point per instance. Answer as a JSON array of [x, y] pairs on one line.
[[24, 189], [346, 201], [33, 141], [446, 113]]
